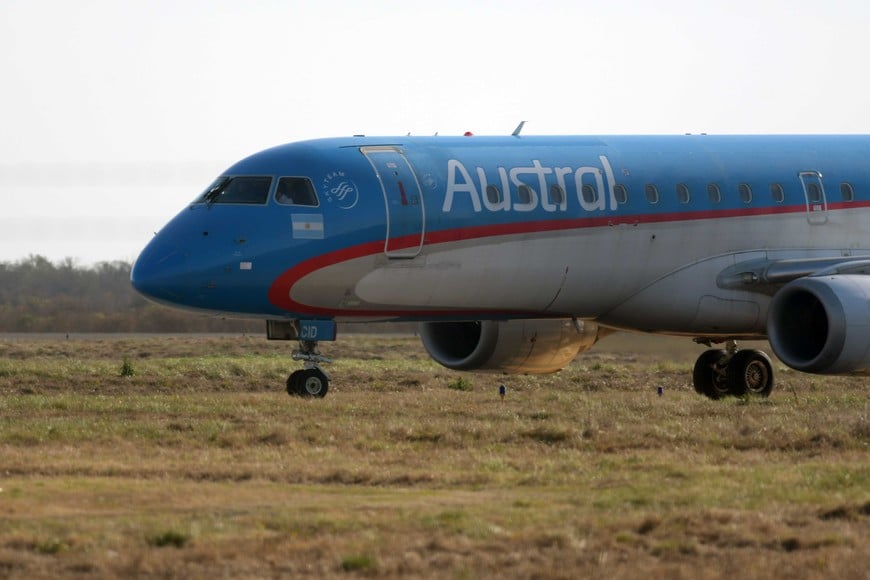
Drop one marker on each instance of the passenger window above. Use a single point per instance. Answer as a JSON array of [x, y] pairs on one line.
[[814, 193], [589, 193], [557, 194], [621, 193], [250, 190], [777, 193], [524, 194], [745, 192], [683, 195], [847, 192], [296, 191], [651, 193], [714, 194]]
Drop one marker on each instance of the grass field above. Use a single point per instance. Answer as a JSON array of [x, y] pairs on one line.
[[198, 464]]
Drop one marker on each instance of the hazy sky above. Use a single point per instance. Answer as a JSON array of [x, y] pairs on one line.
[[114, 114]]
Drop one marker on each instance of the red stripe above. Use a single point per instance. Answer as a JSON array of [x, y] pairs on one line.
[[279, 292]]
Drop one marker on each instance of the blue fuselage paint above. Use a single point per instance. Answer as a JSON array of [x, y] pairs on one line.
[[500, 227]]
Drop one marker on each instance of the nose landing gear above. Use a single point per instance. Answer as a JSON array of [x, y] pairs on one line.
[[312, 380], [719, 373]]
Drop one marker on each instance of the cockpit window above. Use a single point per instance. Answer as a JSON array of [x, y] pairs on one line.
[[225, 189], [296, 191]]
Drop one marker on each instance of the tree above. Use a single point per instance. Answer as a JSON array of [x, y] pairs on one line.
[[39, 296]]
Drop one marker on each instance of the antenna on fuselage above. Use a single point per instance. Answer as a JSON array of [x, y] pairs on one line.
[[519, 128]]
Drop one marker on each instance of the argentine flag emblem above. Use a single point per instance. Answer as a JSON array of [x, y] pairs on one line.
[[307, 226]]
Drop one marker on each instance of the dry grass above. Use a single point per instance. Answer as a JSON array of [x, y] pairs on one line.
[[198, 464]]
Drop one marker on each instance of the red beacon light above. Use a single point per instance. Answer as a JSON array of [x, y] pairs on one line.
[[468, 134]]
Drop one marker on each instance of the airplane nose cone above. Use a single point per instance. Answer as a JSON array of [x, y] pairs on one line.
[[160, 272]]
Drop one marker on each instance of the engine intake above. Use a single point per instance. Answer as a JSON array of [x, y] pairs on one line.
[[537, 346], [822, 325]]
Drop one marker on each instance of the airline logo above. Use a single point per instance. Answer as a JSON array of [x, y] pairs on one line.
[[552, 188], [340, 190]]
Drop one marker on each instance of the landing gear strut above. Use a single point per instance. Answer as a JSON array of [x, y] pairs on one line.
[[311, 381], [719, 373]]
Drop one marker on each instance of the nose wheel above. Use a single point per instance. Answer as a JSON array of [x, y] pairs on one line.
[[311, 381]]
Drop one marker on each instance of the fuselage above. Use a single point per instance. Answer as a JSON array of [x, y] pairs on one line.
[[630, 231]]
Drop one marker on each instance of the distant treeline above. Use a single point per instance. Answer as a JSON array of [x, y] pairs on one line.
[[37, 295]]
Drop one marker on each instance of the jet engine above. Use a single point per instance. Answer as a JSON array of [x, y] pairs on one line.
[[822, 324], [537, 346]]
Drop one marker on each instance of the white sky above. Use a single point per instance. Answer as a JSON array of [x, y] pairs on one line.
[[114, 114]]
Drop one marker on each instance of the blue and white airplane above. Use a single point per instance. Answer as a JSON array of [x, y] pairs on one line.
[[516, 253]]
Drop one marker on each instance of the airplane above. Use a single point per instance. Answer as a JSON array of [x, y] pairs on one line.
[[516, 253]]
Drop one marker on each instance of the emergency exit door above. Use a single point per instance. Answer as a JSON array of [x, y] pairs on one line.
[[814, 191]]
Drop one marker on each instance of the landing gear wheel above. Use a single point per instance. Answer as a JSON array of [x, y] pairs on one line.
[[707, 378], [750, 371], [293, 384], [313, 383]]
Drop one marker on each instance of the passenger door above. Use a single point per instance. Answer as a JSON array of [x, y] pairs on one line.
[[404, 201]]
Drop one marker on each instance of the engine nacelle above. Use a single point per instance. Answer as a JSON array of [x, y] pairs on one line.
[[516, 346], [822, 325]]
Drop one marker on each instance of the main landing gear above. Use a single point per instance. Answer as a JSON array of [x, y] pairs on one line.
[[311, 381], [722, 372]]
